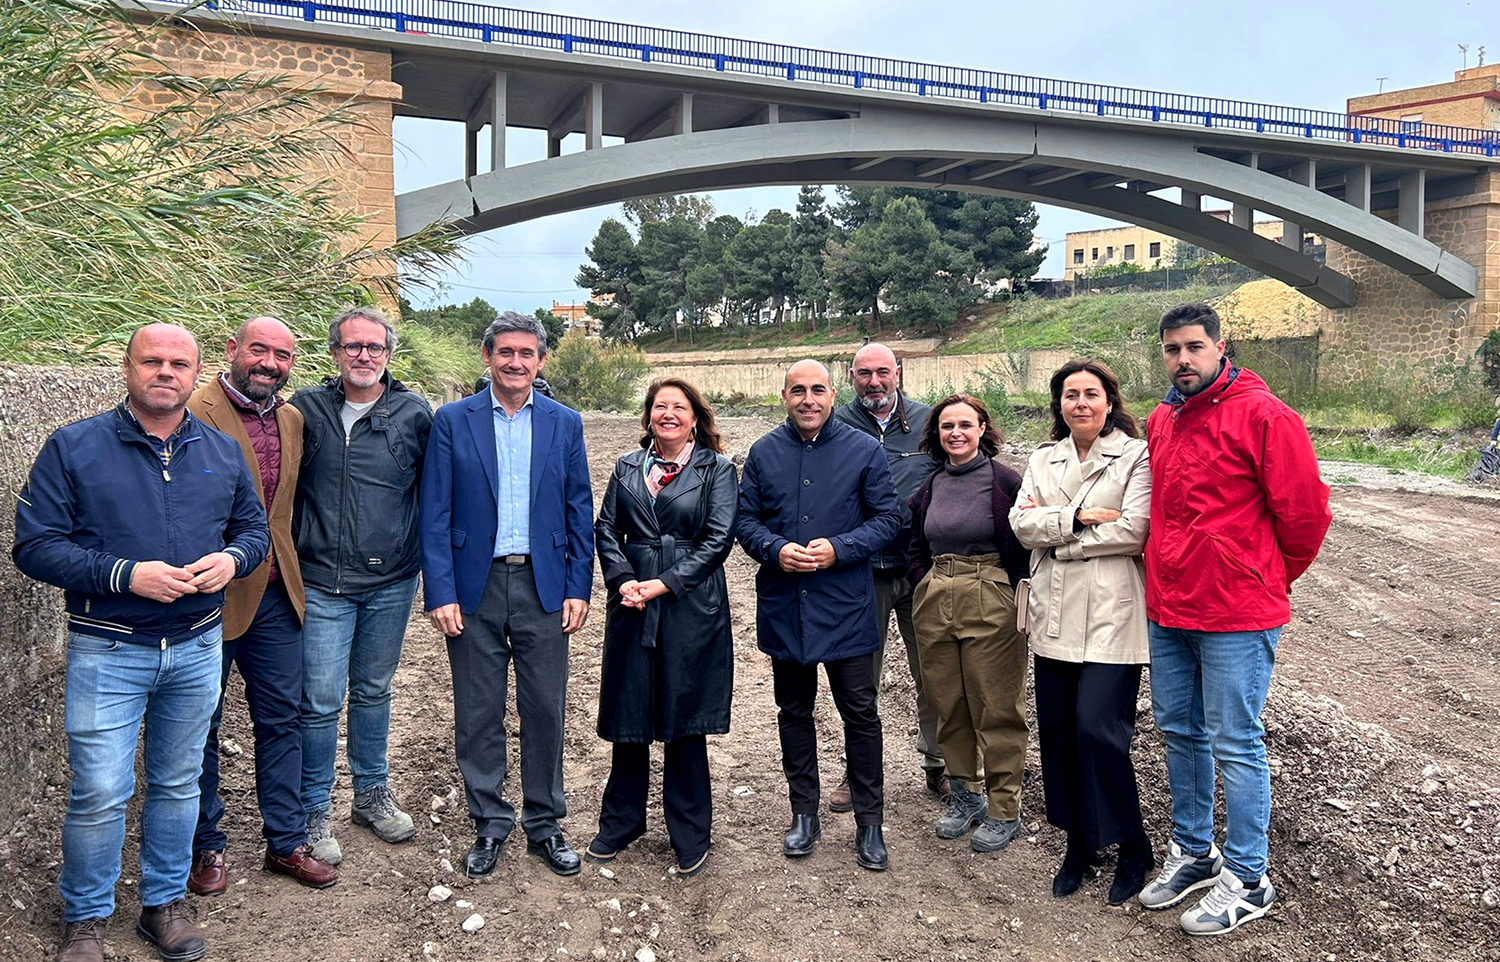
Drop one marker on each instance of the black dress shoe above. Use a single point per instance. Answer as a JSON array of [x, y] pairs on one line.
[[869, 848], [482, 857], [800, 837], [557, 853]]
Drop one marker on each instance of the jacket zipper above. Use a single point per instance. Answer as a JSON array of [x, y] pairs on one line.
[[338, 571]]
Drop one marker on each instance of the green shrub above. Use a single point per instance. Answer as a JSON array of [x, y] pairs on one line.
[[1447, 398], [590, 375]]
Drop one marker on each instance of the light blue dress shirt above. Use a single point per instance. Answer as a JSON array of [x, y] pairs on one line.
[[513, 472]]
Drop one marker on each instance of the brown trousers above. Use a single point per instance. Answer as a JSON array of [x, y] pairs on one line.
[[974, 673]]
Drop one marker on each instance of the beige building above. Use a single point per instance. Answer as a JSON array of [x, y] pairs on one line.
[[1472, 99], [1089, 250]]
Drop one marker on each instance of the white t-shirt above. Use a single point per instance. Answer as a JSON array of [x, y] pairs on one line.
[[352, 412]]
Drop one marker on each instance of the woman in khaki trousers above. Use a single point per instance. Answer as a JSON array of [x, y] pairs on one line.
[[1084, 511], [965, 565]]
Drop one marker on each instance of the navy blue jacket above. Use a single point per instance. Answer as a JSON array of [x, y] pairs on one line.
[[99, 500], [460, 509], [837, 486]]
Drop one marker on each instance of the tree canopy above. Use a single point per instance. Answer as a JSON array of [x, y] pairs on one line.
[[921, 254]]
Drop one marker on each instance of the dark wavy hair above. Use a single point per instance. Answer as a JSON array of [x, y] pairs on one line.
[[1118, 417], [932, 442], [705, 432]]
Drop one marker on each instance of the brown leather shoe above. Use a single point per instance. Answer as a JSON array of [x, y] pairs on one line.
[[937, 783], [83, 941], [171, 929], [303, 866], [839, 799], [208, 877]]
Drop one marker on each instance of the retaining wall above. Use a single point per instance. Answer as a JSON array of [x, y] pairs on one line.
[[33, 402]]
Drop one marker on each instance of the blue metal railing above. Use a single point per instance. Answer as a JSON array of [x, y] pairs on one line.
[[487, 24]]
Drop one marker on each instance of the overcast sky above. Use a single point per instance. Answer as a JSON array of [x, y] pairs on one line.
[[1271, 51]]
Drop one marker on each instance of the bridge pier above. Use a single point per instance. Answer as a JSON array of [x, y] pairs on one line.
[[1399, 325], [354, 77]]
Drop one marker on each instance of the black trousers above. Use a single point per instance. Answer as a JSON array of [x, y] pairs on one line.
[[687, 796], [852, 682], [1085, 716], [510, 628], [269, 654]]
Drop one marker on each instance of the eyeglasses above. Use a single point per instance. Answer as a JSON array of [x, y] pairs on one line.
[[376, 351]]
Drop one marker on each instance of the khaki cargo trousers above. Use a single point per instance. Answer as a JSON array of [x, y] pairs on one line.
[[974, 673]]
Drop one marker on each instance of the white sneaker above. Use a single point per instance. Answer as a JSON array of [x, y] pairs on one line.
[[1180, 874], [1230, 904]]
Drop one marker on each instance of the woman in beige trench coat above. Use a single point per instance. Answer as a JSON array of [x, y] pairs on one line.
[[1083, 509]]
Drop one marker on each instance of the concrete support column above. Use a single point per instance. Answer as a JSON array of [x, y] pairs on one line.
[[1192, 199], [497, 121], [1357, 187], [471, 153], [593, 117], [1243, 215], [554, 146], [1305, 174], [773, 113], [1411, 211], [682, 115]]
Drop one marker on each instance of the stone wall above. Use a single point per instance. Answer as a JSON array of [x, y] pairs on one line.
[[33, 402], [1398, 324], [357, 79]]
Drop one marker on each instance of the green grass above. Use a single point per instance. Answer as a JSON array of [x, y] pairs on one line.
[[1082, 324], [1442, 454]]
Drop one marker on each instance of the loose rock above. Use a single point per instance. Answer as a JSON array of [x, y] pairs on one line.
[[474, 923], [439, 893]]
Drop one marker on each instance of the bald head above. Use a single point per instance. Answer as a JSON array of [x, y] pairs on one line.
[[164, 334], [808, 396], [808, 367], [260, 356], [264, 324], [876, 374]]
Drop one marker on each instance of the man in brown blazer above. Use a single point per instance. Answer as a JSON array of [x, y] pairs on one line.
[[262, 612]]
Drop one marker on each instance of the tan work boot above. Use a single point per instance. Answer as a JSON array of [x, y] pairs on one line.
[[83, 941]]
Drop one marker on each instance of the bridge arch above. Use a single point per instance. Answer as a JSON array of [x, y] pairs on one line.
[[1103, 172]]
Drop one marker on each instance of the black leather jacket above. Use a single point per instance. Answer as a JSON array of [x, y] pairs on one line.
[[909, 467], [356, 513]]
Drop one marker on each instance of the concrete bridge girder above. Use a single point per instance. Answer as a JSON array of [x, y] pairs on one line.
[[900, 147]]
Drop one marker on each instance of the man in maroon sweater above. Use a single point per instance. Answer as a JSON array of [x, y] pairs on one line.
[[262, 613]]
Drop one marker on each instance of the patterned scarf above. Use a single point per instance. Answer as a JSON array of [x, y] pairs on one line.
[[659, 471]]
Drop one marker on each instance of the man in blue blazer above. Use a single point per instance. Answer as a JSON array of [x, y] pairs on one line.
[[507, 567]]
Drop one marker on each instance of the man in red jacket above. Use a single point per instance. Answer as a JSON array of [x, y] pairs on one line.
[[1238, 512]]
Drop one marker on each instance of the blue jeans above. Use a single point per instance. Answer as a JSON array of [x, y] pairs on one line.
[[1208, 689], [111, 687], [350, 642]]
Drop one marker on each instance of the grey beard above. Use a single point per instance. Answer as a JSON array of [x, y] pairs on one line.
[[874, 406]]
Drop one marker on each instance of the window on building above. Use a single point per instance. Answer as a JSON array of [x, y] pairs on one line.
[[1109, 252], [1094, 253], [1155, 249], [1130, 252], [1078, 256]]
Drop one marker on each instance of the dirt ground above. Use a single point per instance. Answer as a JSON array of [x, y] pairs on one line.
[[1384, 732]]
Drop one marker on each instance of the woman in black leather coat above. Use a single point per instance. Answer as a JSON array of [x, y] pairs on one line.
[[663, 532]]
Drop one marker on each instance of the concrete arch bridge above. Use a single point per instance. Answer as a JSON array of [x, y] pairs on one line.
[[1411, 211]]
